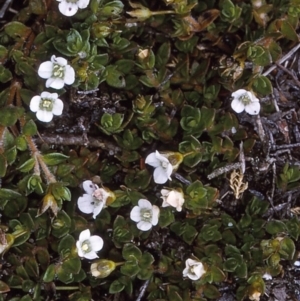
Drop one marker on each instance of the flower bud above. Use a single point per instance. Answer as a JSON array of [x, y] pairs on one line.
[[102, 268], [141, 13], [175, 158], [111, 196], [100, 30]]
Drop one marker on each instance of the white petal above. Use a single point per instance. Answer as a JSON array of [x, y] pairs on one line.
[[69, 77], [165, 203], [89, 187], [160, 176], [152, 160], [161, 158], [237, 106], [45, 69], [55, 83], [239, 93], [253, 97], [190, 262], [173, 199], [145, 204], [46, 94], [165, 192], [135, 214], [44, 116], [84, 235], [35, 103], [96, 243], [169, 171], [90, 255], [253, 108], [144, 226], [98, 208], [68, 9], [199, 269], [185, 271], [79, 249], [86, 203], [83, 3], [61, 61], [58, 107], [155, 215], [193, 276]]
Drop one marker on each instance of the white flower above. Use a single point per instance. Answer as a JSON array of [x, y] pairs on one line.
[[245, 100], [70, 7], [57, 72], [88, 245], [145, 214], [193, 269], [46, 105], [172, 198], [267, 276], [95, 198], [163, 167]]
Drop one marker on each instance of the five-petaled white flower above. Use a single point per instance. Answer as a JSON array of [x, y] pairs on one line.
[[163, 167], [245, 100], [46, 105], [57, 72], [70, 7], [172, 198], [88, 245], [145, 214], [193, 269], [95, 198]]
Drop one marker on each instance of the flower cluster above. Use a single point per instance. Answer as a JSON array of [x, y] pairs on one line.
[[57, 72]]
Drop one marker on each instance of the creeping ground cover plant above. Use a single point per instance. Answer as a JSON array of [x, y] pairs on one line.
[[149, 150]]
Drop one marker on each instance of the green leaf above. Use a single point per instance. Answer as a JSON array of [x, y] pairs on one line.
[[275, 227], [17, 30], [3, 165], [54, 158], [64, 276], [114, 77], [27, 165], [31, 267], [130, 268], [163, 54], [4, 288], [72, 265], [116, 287], [30, 128], [146, 261], [124, 65], [288, 31], [166, 217], [211, 292], [130, 250], [261, 84], [5, 74], [287, 248], [66, 244], [9, 115], [38, 7], [50, 273]]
